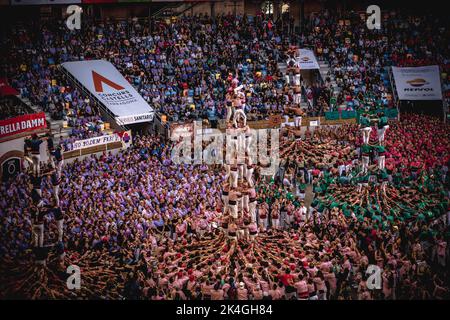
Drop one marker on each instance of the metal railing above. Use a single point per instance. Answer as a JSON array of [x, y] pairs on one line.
[[172, 8]]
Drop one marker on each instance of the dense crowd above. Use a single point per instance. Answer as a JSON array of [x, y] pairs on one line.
[[82, 128], [181, 68], [12, 107], [359, 57], [143, 227], [157, 226]]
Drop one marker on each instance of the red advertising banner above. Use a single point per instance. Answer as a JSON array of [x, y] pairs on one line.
[[21, 124], [6, 89]]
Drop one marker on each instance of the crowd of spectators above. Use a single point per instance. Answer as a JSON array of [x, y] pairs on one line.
[[360, 57], [12, 107], [156, 225], [181, 68], [143, 227]]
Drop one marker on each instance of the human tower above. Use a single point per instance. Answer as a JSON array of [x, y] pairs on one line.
[[238, 193]]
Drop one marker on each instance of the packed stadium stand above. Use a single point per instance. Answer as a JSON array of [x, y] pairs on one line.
[[358, 126]]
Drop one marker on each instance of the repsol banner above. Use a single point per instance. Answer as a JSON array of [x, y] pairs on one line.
[[307, 60], [27, 122], [124, 137], [418, 83]]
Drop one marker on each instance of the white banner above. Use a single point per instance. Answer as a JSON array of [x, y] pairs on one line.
[[146, 117], [418, 83], [124, 137], [307, 60], [314, 123], [106, 83]]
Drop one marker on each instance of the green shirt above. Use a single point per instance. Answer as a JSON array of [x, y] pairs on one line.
[[346, 213], [382, 122], [334, 205], [383, 175], [380, 149], [365, 149], [321, 207], [365, 122], [364, 178]]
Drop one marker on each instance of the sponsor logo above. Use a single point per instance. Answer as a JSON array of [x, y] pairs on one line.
[[98, 80], [418, 89], [126, 137], [120, 97], [22, 123], [137, 118], [418, 82], [143, 117], [305, 59]]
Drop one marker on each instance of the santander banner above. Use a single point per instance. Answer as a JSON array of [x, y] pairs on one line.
[[28, 122], [108, 85]]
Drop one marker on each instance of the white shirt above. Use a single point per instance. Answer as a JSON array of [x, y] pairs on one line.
[[342, 168]]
